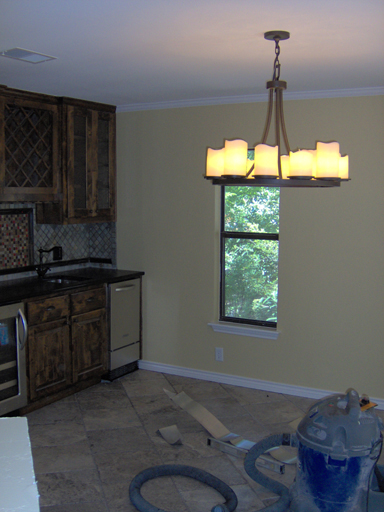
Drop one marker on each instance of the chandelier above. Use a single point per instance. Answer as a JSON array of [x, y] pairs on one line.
[[269, 166]]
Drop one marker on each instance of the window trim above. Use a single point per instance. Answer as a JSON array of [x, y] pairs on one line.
[[241, 235], [253, 331]]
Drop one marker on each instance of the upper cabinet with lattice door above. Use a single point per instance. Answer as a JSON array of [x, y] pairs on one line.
[[29, 146]]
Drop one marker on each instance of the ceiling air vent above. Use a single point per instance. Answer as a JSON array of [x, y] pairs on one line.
[[26, 55]]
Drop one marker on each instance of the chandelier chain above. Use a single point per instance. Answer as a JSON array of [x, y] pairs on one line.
[[276, 63]]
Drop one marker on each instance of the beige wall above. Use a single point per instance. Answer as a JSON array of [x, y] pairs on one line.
[[331, 268]]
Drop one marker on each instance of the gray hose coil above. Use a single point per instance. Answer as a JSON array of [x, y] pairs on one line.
[[276, 487], [177, 469]]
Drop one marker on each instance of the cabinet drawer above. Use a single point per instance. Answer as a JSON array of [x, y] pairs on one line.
[[88, 301], [47, 310]]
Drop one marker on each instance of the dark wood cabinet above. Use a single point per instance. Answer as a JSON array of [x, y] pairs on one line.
[[89, 166], [49, 358], [89, 334], [59, 153], [49, 353], [29, 146], [67, 342], [90, 352], [90, 163]]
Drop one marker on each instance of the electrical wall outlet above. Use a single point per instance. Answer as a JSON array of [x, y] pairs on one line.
[[57, 253], [219, 354]]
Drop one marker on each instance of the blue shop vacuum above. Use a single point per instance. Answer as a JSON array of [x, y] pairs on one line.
[[339, 442]]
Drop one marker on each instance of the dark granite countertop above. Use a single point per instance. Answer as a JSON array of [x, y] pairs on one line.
[[18, 290]]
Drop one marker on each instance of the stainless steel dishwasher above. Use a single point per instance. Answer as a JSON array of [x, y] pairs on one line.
[[125, 327]]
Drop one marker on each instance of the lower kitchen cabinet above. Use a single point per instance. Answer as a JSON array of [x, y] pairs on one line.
[[90, 351], [49, 346], [68, 342], [89, 334], [49, 358]]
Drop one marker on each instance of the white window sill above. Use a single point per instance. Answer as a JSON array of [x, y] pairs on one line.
[[241, 330]]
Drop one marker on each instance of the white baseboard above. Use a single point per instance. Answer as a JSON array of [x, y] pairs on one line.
[[245, 382]]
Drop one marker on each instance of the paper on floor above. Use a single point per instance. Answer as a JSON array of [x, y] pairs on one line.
[[218, 430], [171, 434], [200, 413]]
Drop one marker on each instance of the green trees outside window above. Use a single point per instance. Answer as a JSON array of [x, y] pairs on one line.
[[249, 255]]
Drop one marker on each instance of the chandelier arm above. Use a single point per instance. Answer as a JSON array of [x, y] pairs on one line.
[[269, 117], [250, 171], [277, 129], [283, 129]]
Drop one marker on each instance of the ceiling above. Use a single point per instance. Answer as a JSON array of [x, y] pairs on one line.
[[140, 54]]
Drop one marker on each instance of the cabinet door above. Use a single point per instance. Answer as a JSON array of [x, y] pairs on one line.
[[29, 150], [91, 164], [106, 165], [49, 358], [89, 342]]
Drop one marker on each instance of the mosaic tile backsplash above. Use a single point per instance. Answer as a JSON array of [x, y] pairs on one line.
[[78, 241], [16, 232]]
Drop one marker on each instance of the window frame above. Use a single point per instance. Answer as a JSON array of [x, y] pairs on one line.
[[239, 235]]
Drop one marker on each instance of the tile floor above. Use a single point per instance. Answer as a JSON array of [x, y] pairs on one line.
[[88, 447]]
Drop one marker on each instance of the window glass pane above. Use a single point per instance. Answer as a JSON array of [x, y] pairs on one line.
[[251, 209], [251, 279]]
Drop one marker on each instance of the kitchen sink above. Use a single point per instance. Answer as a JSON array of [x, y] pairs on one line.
[[65, 279]]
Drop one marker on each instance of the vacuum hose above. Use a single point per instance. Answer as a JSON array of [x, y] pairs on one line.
[[276, 487], [177, 469], [203, 476]]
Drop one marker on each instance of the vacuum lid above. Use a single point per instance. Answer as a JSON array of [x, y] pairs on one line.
[[339, 427]]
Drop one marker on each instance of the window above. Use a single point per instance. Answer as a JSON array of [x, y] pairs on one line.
[[249, 255]]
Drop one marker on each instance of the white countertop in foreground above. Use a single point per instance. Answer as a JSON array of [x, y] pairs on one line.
[[18, 488]]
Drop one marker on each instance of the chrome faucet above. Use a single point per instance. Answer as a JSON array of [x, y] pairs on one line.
[[42, 268]]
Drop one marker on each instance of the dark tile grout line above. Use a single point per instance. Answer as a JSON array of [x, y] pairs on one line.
[[80, 409], [172, 383], [93, 456], [235, 470]]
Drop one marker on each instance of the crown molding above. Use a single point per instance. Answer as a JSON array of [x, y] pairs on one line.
[[252, 98]]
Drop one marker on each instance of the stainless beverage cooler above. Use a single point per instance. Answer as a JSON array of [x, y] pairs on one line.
[[13, 379]]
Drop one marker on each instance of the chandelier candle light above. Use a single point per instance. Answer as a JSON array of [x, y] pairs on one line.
[[320, 167]]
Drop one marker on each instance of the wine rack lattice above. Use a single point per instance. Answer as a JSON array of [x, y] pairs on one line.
[[28, 147]]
